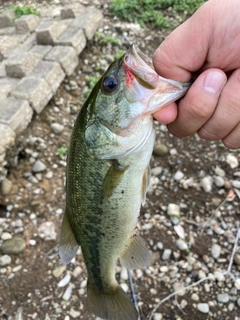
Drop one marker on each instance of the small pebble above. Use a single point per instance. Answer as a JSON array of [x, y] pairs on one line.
[[164, 269], [206, 184], [74, 313], [203, 307], [32, 242], [49, 175], [6, 236], [13, 246], [46, 231], [178, 175], [179, 288], [39, 166], [232, 161], [173, 209], [17, 223], [216, 250], [157, 316], [77, 271], [5, 260], [238, 302], [195, 297], [57, 272], [57, 128], [124, 274], [83, 284], [160, 245], [166, 254], [219, 171], [182, 245], [237, 283], [32, 216], [223, 297], [68, 292], [124, 287], [219, 230], [64, 281], [6, 186], [160, 150], [219, 181], [17, 268]]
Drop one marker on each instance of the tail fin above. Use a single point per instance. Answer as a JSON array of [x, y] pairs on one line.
[[114, 305]]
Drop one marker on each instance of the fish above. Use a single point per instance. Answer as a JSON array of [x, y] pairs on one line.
[[108, 175]]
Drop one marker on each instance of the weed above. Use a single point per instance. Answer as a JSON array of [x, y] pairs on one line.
[[62, 152], [22, 10], [119, 54], [105, 39], [91, 81], [151, 11]]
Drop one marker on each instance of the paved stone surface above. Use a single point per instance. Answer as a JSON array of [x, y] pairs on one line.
[[21, 64], [15, 113], [48, 32], [51, 71], [66, 56], [36, 90], [27, 23], [36, 53]]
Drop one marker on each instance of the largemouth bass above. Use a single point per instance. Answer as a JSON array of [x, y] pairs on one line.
[[108, 176]]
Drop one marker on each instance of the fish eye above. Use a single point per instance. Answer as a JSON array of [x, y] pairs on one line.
[[110, 84]]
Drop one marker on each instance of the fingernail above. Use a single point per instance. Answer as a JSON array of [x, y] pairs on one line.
[[214, 82]]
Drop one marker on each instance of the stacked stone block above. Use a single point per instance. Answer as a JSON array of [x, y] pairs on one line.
[[36, 53]]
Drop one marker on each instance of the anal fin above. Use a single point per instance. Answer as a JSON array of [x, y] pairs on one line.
[[68, 245], [135, 255]]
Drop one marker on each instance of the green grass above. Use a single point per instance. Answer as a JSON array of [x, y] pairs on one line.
[[105, 39], [119, 54], [62, 152], [151, 11], [91, 81], [22, 10]]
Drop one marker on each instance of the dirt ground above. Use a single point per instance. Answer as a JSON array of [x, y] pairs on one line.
[[35, 289]]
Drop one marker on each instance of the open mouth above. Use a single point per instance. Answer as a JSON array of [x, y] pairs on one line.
[[141, 66], [140, 56]]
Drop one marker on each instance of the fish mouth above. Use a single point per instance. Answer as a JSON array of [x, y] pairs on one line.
[[163, 91], [141, 66]]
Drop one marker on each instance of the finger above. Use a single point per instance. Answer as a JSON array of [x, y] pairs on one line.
[[227, 114], [185, 49], [232, 140], [167, 114], [199, 104]]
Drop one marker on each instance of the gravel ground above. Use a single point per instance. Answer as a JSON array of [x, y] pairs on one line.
[[190, 220]]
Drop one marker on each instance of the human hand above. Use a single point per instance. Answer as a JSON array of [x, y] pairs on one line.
[[206, 46]]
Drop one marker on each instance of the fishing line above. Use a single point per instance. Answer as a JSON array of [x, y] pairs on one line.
[[133, 293]]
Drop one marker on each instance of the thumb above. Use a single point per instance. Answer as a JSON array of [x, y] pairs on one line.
[[185, 50]]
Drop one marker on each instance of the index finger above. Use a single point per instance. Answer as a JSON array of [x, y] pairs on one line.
[[185, 50]]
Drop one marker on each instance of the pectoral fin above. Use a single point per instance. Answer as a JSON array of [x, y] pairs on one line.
[[112, 179], [145, 183], [68, 245], [135, 255]]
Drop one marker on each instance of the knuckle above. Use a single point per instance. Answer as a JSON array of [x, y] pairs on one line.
[[231, 142], [199, 111], [209, 134]]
